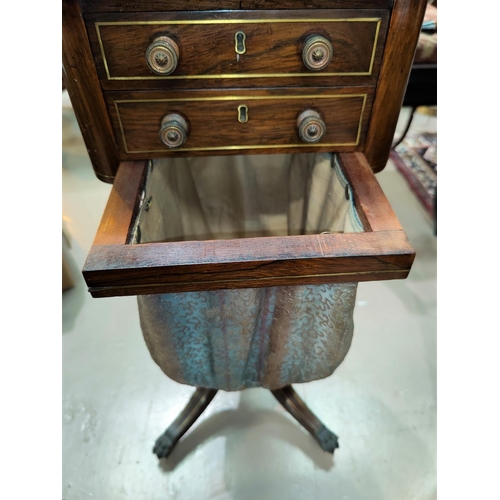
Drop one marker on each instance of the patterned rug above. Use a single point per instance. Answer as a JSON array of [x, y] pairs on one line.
[[416, 159]]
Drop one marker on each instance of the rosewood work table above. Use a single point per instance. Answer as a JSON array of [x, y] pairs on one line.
[[242, 138]]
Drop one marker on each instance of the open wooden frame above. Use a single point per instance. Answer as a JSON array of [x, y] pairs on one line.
[[116, 268]]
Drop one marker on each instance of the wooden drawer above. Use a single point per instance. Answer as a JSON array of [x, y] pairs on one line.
[[105, 44], [118, 265], [207, 47], [270, 121]]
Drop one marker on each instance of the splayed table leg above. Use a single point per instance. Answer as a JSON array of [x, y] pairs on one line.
[[299, 410], [197, 404]]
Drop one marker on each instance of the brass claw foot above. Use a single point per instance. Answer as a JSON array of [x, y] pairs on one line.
[[299, 410], [196, 406], [164, 445], [327, 439]]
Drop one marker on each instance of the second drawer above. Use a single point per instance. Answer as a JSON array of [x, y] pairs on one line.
[[152, 124]]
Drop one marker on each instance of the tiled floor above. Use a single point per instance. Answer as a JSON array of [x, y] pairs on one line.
[[116, 401]]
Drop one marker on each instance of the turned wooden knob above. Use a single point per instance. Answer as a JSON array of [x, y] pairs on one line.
[[174, 130], [317, 53], [162, 56], [311, 127]]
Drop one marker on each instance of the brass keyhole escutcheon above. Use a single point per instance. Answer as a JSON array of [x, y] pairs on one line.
[[317, 53], [174, 130], [239, 42], [311, 127], [162, 56], [242, 113]]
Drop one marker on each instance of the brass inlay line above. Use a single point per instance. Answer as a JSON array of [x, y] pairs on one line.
[[233, 76], [103, 53], [238, 148], [241, 21], [361, 119], [239, 280], [375, 39], [237, 21], [239, 98], [121, 127]]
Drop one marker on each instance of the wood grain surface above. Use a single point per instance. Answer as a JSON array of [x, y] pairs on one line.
[[81, 81], [122, 204], [213, 119], [404, 29], [369, 198], [115, 269], [207, 51], [193, 5], [252, 262], [316, 4], [156, 5]]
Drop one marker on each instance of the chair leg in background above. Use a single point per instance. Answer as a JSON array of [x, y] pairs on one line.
[[407, 128]]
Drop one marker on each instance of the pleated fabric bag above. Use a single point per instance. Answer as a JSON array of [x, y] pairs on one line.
[[251, 337]]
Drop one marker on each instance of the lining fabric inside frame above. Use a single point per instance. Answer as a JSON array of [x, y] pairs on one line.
[[246, 196]]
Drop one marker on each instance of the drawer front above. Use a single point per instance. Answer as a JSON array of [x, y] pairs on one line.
[[268, 120], [268, 44]]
